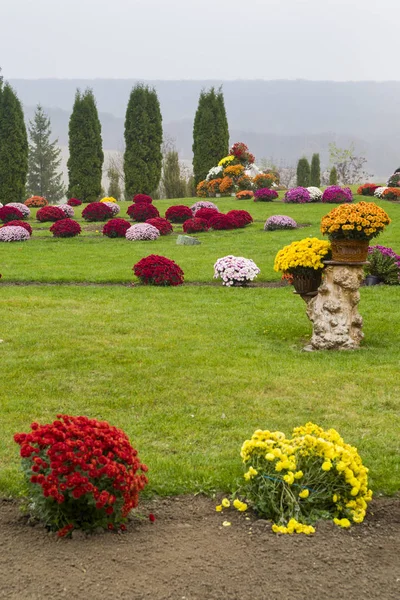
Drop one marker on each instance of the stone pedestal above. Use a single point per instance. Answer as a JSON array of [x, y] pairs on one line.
[[333, 311]]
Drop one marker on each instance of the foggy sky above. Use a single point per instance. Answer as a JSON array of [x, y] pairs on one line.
[[201, 39]]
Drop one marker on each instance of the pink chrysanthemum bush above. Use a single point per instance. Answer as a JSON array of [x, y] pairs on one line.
[[142, 232], [279, 222], [67, 210], [20, 224], [113, 206], [202, 204], [13, 234], [20, 206], [296, 481], [158, 270], [235, 271]]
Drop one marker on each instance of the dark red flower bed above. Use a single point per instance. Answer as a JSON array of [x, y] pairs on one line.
[[158, 270], [65, 228], [163, 225], [20, 224], [50, 213], [116, 228], [178, 214], [367, 189], [81, 473], [143, 198], [74, 202], [206, 213], [10, 213], [195, 225], [97, 211], [141, 211], [221, 221], [242, 217]]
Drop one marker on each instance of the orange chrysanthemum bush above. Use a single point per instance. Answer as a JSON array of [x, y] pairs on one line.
[[36, 202], [263, 180], [226, 185], [213, 186], [81, 473], [245, 182], [245, 195], [391, 193], [360, 221], [202, 189], [234, 171]]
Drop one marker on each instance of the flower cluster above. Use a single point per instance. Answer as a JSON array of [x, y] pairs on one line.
[[178, 214], [241, 217], [298, 195], [244, 195], [279, 222], [334, 194], [235, 270], [368, 189], [50, 213], [391, 193], [158, 270], [202, 189], [227, 160], [245, 182], [305, 254], [10, 213], [114, 208], [195, 225], [379, 191], [142, 232], [81, 473], [215, 173], [226, 186], [74, 202], [13, 234], [67, 210], [20, 224], [220, 221], [66, 228], [21, 207], [36, 202], [234, 171], [142, 199], [116, 228], [163, 225], [313, 475], [360, 221], [240, 151], [108, 200], [263, 180], [315, 193], [384, 263], [202, 204], [213, 187], [265, 195], [97, 211], [141, 211], [394, 180], [206, 213]]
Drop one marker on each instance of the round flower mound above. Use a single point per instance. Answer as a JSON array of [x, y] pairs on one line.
[[142, 232], [67, 210], [97, 211], [242, 217], [334, 194], [109, 200], [315, 193], [368, 189], [24, 209], [263, 180], [13, 234], [202, 204], [163, 225], [279, 222], [114, 208], [65, 228], [142, 199], [360, 221], [298, 195], [308, 253], [195, 225], [178, 214], [312, 475], [265, 195], [116, 228], [244, 195], [379, 191], [20, 224], [206, 213], [74, 202], [81, 473], [141, 211], [50, 213], [36, 202], [10, 213], [221, 222], [235, 270], [391, 193], [158, 270]]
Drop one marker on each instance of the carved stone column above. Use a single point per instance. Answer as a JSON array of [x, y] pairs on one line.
[[333, 311]]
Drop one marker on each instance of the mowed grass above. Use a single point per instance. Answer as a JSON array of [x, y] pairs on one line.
[[190, 372]]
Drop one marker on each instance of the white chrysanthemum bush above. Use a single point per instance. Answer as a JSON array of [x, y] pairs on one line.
[[13, 234], [142, 232], [235, 270]]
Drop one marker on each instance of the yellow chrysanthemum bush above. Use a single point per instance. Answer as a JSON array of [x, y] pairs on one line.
[[226, 161], [360, 221], [108, 199], [311, 476], [308, 253]]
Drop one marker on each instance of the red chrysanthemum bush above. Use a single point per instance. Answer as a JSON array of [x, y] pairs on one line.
[[158, 270], [195, 225], [10, 213], [163, 225], [141, 211], [206, 213], [116, 228], [143, 199], [178, 214], [20, 224], [65, 228], [367, 189], [81, 473], [97, 211], [221, 221], [242, 217], [50, 213], [74, 202], [36, 202]]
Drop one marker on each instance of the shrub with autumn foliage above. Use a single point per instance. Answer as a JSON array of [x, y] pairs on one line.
[[221, 221], [141, 211], [142, 199], [23, 224], [242, 217], [163, 225], [74, 202], [97, 211], [81, 473], [50, 213], [116, 228], [36, 202], [178, 214], [158, 270], [206, 213], [195, 225], [65, 228], [10, 213]]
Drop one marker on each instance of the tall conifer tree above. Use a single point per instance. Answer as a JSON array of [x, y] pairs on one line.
[[315, 174], [86, 156], [154, 139], [13, 147], [303, 173]]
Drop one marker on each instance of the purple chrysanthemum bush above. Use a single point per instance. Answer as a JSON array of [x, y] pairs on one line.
[[334, 194], [235, 270], [142, 232], [67, 210], [203, 204], [265, 195], [279, 222], [13, 234], [298, 195], [21, 207]]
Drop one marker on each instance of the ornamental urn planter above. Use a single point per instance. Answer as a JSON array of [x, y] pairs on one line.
[[349, 251]]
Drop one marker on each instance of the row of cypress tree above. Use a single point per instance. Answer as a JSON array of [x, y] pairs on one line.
[[310, 175]]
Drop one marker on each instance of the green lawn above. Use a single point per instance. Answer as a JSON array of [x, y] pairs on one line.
[[190, 372]]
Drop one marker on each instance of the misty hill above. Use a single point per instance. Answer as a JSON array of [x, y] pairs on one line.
[[278, 119]]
